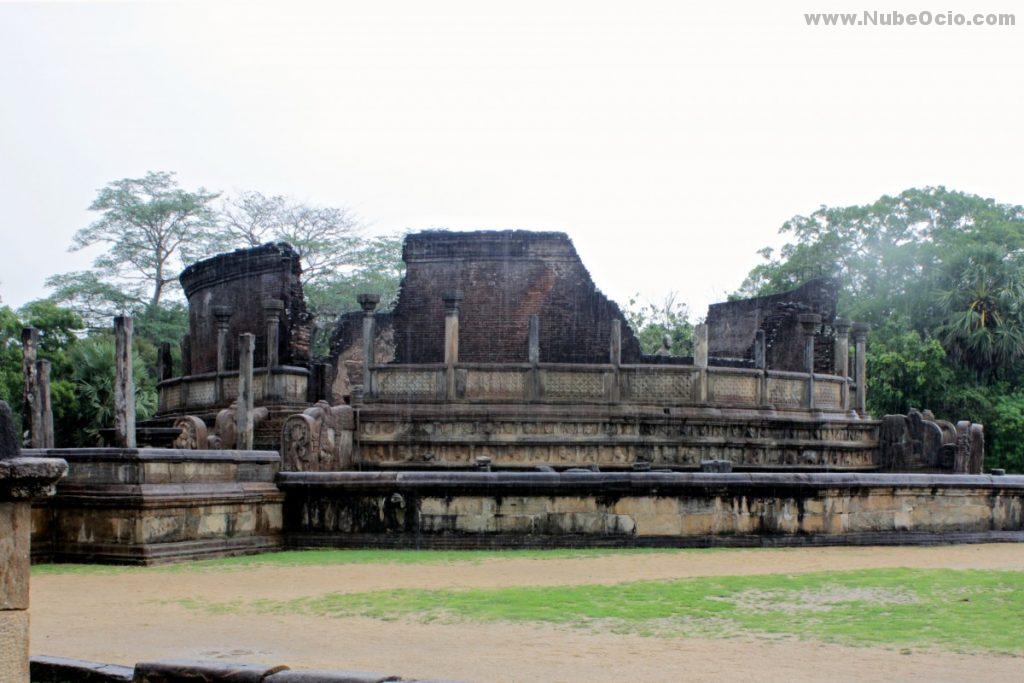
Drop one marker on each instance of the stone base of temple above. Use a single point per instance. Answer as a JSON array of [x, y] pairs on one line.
[[148, 506], [612, 437], [491, 510]]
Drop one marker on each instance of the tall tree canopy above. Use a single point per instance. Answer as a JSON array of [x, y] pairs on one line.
[[150, 229], [940, 275]]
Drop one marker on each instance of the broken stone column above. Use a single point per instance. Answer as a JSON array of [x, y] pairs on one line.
[[368, 301], [842, 358], [809, 325], [859, 332], [29, 346], [42, 414], [21, 480], [124, 386], [244, 420], [222, 318], [700, 360], [451, 339], [164, 362]]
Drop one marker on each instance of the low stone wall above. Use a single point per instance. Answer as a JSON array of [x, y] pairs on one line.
[[63, 670], [464, 509], [145, 506]]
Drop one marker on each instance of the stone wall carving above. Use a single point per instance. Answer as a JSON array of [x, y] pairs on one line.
[[320, 439]]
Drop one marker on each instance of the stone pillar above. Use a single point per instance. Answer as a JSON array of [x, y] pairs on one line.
[[21, 480], [272, 309], [368, 301], [222, 319], [451, 339], [700, 360], [842, 358], [612, 390], [615, 347], [809, 325], [124, 386], [761, 363], [533, 357], [29, 347], [42, 408], [244, 416], [186, 355], [164, 362], [859, 332]]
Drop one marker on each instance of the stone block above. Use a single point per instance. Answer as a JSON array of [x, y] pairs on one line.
[[13, 645], [64, 670], [15, 527], [311, 676], [186, 671], [658, 525]]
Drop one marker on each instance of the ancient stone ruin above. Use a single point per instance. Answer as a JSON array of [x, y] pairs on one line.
[[503, 400]]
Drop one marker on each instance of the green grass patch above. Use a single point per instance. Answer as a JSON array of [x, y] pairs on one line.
[[319, 558], [955, 610]]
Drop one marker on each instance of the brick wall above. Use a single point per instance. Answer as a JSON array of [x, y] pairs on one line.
[[242, 280], [505, 277], [732, 324]]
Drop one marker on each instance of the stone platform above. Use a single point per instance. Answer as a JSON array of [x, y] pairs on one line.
[[580, 509], [146, 506], [612, 437]]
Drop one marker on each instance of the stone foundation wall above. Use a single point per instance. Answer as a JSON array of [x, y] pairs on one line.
[[145, 506], [656, 509]]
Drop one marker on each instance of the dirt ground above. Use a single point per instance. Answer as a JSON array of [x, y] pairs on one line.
[[129, 617]]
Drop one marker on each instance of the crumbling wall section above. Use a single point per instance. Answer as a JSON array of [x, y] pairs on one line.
[[732, 326], [242, 280], [505, 277]]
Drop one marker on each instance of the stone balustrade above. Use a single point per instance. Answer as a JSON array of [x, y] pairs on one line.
[[677, 385]]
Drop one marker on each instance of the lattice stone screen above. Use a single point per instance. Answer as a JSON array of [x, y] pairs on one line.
[[787, 393], [827, 394], [572, 385], [402, 383], [496, 385], [658, 385], [732, 389]]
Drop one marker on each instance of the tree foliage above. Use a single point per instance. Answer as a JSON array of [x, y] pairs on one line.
[[150, 228], [665, 321], [940, 275]]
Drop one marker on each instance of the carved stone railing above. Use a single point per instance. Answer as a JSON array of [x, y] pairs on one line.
[[558, 383], [208, 391]]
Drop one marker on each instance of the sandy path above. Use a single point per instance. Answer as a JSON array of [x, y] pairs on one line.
[[124, 618]]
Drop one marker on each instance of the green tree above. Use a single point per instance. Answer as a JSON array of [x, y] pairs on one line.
[[652, 323], [93, 376], [149, 228], [940, 275]]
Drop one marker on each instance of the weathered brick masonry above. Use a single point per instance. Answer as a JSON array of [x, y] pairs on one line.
[[732, 324], [242, 281], [505, 276]]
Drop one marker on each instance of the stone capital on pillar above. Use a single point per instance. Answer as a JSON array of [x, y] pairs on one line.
[[841, 326], [452, 299], [368, 301], [273, 308], [859, 332], [810, 323]]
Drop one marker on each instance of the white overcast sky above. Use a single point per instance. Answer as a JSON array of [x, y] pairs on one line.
[[669, 139]]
